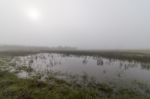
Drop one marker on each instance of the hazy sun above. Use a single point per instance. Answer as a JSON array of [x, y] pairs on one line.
[[33, 14]]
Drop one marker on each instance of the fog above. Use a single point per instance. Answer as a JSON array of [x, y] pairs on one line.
[[86, 24]]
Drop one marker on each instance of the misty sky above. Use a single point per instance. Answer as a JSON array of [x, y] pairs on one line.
[[92, 24]]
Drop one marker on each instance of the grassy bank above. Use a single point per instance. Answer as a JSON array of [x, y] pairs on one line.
[[122, 55], [12, 87]]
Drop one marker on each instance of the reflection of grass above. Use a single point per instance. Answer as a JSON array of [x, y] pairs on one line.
[[123, 55], [145, 66]]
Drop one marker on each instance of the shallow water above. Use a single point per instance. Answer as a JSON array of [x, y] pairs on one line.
[[101, 69]]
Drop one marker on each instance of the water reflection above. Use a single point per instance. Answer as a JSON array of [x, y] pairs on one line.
[[145, 66], [85, 60], [39, 62], [101, 69], [100, 61]]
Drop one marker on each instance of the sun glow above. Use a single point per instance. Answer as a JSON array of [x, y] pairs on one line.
[[33, 14]]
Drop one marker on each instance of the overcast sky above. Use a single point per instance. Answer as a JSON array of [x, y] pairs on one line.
[[92, 24]]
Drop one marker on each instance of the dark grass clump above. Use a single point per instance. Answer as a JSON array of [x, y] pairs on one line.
[[25, 68]]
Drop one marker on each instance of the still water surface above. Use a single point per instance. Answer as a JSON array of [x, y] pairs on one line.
[[101, 69]]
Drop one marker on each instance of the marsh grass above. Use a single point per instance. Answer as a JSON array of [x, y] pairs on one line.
[[12, 87], [25, 68], [122, 55]]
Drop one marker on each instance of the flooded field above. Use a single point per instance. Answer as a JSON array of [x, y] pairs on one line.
[[73, 75], [79, 69]]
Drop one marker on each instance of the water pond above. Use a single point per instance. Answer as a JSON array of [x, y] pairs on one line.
[[73, 67]]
